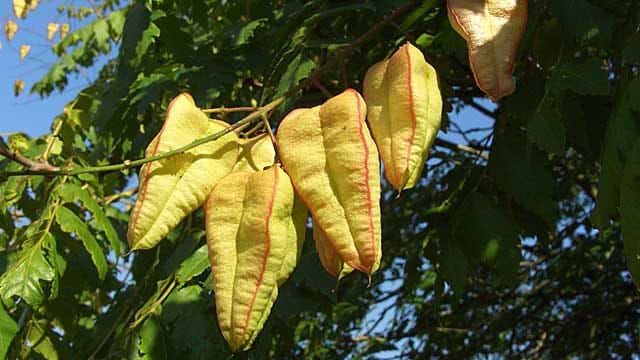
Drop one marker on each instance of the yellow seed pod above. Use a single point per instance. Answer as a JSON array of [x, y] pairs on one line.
[[64, 30], [404, 112], [52, 29], [492, 30], [255, 228], [328, 256], [10, 29], [255, 154], [171, 188], [24, 51], [333, 163]]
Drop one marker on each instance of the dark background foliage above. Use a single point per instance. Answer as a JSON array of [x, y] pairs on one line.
[[518, 254]]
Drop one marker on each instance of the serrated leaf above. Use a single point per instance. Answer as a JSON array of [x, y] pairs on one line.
[[547, 130], [245, 32], [72, 192], [486, 234], [172, 188], [631, 51], [70, 223], [588, 77], [23, 279], [40, 341], [153, 340], [584, 21], [630, 212], [8, 329], [620, 137], [194, 265], [454, 267], [522, 173], [299, 68]]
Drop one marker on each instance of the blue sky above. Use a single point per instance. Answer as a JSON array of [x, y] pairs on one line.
[[29, 113]]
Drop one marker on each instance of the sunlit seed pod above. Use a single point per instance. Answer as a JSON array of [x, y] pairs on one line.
[[333, 163], [173, 187], [492, 30], [24, 51], [255, 229], [404, 112], [329, 258], [64, 30], [255, 154], [52, 29], [10, 29]]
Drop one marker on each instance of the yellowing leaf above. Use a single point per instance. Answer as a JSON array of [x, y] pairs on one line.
[[404, 109], [333, 163], [172, 188], [64, 30], [255, 154], [10, 29], [24, 51], [18, 86], [52, 29], [255, 232], [492, 30]]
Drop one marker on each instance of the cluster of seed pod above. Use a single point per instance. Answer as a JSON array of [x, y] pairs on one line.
[[256, 211]]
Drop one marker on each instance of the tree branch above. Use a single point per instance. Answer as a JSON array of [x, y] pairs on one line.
[[24, 161], [35, 168], [459, 147]]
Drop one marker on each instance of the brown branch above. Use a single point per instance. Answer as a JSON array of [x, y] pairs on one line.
[[23, 160]]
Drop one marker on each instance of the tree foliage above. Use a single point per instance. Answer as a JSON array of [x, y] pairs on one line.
[[521, 241]]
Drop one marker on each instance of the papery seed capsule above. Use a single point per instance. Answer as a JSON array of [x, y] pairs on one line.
[[172, 188], [333, 163], [255, 228], [404, 112], [492, 30]]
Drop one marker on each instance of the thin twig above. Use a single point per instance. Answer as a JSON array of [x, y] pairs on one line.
[[459, 147], [225, 110], [321, 87], [265, 121], [130, 164], [35, 168]]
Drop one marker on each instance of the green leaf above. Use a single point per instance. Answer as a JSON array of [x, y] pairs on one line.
[[486, 234], [588, 77], [8, 329], [547, 130], [70, 223], [40, 340], [299, 68], [630, 212], [631, 52], [245, 31], [72, 192], [523, 173], [584, 21], [24, 277], [153, 341], [194, 265], [195, 332], [622, 132], [454, 267]]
